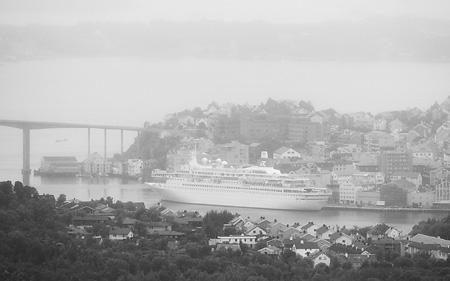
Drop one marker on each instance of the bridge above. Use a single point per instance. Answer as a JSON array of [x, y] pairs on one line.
[[27, 126]]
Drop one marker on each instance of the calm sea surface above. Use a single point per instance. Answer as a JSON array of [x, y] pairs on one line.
[[130, 91]]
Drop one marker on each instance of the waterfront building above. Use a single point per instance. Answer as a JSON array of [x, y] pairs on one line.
[[392, 195], [421, 199], [442, 191], [347, 191], [59, 165], [367, 198], [97, 165], [134, 167]]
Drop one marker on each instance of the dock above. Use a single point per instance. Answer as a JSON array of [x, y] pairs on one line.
[[384, 209]]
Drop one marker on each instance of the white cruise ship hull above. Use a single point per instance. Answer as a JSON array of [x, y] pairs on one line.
[[222, 195]]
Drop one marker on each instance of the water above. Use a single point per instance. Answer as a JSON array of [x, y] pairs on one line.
[[130, 91]]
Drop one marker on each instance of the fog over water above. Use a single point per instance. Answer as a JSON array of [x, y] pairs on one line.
[[116, 62]]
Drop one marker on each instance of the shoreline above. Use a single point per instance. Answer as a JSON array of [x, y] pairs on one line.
[[385, 209]]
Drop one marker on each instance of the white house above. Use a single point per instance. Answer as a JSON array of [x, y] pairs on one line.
[[120, 234], [134, 167], [255, 231], [340, 237], [96, 164], [286, 153], [348, 190], [237, 239], [320, 257]]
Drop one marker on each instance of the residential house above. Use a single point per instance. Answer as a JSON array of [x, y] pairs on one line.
[[390, 244], [291, 232], [275, 243], [340, 237], [286, 153], [380, 125], [157, 226], [324, 232], [237, 239], [396, 126], [320, 257], [256, 231], [270, 250], [117, 234], [301, 247], [309, 228], [423, 129], [276, 229], [381, 231], [323, 244]]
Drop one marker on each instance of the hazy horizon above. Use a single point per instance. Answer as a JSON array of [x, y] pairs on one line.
[[68, 12]]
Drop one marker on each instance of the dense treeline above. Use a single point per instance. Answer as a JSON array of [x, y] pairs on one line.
[[432, 227], [35, 245]]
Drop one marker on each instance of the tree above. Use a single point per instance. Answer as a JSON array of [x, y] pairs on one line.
[[213, 222], [61, 199]]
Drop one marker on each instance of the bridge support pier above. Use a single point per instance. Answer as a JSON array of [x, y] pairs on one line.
[[121, 144], [26, 171], [89, 142], [105, 144]]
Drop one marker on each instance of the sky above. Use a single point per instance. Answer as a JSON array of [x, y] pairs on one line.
[[61, 83], [69, 12]]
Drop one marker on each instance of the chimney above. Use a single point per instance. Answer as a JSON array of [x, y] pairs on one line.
[[264, 155]]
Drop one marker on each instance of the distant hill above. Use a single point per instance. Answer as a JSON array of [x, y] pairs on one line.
[[380, 38]]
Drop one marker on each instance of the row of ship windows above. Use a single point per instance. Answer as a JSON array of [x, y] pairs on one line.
[[247, 191]]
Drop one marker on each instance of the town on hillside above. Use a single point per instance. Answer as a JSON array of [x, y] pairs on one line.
[[391, 159]]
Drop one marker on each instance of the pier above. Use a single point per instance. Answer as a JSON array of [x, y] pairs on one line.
[[27, 126], [384, 209]]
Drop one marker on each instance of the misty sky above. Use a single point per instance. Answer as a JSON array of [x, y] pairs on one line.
[[67, 12]]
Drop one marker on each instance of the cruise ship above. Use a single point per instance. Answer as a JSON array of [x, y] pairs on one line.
[[220, 184]]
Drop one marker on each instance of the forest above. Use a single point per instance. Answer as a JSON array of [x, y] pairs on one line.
[[35, 245]]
